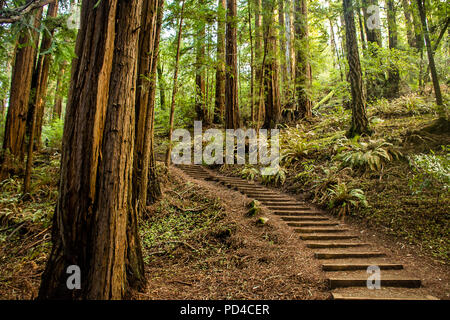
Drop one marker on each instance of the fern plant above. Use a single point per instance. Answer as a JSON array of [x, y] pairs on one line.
[[249, 173], [277, 179], [344, 198], [369, 155]]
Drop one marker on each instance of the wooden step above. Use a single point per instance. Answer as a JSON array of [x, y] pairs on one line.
[[304, 218], [283, 208], [404, 282], [327, 236], [347, 255], [312, 224], [326, 245], [359, 266], [338, 296], [320, 230], [298, 213]]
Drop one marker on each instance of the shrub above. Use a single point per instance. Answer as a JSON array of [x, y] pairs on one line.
[[52, 134], [344, 198]]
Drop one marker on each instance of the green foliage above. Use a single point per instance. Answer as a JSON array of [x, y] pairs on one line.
[[277, 179], [407, 105], [295, 147], [371, 155], [249, 172], [343, 198], [52, 134], [430, 170]]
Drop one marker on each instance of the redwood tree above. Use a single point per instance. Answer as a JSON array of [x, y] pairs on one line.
[[303, 75], [16, 118], [219, 108], [231, 84], [271, 83], [90, 221], [360, 124]]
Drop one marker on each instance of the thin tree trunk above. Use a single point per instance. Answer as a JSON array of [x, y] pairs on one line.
[[94, 202], [409, 24], [57, 108], [252, 65], [393, 73], [175, 85], [258, 61], [361, 25], [434, 76], [360, 124], [232, 120], [43, 67], [162, 86], [282, 40]]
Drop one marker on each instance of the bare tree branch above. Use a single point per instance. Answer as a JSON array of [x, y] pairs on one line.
[[11, 16]]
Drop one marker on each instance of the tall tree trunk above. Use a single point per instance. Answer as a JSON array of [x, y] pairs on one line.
[[90, 222], [304, 106], [271, 83], [143, 93], [437, 89], [360, 124], [16, 118], [175, 85], [393, 73], [373, 33], [219, 109], [282, 39], [232, 120], [200, 86], [252, 65], [409, 24], [418, 31], [36, 107], [42, 70], [361, 25], [258, 61], [153, 188], [57, 108]]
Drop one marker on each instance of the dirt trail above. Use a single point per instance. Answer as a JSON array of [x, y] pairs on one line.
[[344, 252]]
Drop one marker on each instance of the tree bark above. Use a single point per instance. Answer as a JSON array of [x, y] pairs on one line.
[[219, 108], [200, 86], [41, 75], [258, 62], [409, 24], [302, 73], [393, 85], [437, 89], [162, 86], [90, 221], [232, 120], [16, 118], [175, 85], [57, 108], [360, 124], [282, 40]]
